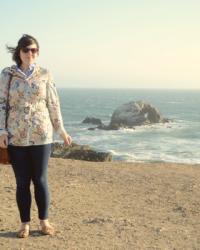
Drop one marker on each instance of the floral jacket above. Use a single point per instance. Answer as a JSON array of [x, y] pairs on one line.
[[34, 108]]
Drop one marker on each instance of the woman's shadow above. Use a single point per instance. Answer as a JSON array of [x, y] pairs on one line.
[[7, 234], [10, 234]]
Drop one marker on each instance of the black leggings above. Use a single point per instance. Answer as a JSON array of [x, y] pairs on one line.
[[31, 163]]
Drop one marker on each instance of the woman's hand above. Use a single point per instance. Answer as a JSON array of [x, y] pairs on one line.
[[66, 138], [3, 141]]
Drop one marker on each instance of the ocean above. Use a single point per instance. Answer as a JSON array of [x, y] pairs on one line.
[[177, 141]]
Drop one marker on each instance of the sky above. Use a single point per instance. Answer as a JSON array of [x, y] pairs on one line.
[[109, 43]]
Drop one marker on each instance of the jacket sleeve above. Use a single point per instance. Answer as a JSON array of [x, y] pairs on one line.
[[53, 105], [4, 78]]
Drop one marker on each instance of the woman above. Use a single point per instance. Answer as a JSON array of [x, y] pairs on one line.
[[34, 111]]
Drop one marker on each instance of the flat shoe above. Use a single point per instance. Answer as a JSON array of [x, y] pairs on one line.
[[23, 233], [47, 230]]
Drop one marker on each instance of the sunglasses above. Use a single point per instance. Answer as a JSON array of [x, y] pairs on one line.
[[33, 50]]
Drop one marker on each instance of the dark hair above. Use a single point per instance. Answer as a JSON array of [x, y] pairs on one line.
[[23, 42]]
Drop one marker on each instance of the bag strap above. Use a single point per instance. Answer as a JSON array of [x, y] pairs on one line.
[[7, 101]]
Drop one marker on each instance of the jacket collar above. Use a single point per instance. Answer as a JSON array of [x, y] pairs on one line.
[[14, 70]]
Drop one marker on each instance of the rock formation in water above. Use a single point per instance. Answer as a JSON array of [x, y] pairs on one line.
[[133, 114]]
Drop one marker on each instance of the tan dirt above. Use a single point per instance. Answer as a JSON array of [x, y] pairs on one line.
[[112, 205]]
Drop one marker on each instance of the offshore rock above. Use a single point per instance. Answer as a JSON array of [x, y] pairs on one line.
[[135, 114], [92, 120]]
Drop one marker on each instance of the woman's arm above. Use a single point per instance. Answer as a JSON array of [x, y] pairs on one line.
[[4, 78], [53, 105]]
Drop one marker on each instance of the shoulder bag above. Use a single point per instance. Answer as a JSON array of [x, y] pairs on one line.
[[4, 156]]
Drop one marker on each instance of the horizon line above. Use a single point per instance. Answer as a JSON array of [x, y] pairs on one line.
[[62, 87]]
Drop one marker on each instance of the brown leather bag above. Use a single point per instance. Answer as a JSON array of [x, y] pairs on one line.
[[4, 156]]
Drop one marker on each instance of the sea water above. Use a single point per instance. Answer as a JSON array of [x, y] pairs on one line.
[[177, 141]]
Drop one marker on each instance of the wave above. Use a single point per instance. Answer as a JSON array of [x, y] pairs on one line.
[[156, 158], [175, 102]]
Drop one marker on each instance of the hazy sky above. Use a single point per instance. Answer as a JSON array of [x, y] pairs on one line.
[[109, 43]]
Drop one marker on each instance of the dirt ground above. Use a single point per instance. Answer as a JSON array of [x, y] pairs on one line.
[[112, 205]]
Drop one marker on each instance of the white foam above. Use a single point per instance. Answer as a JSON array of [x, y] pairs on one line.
[[114, 153], [173, 102], [149, 157]]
